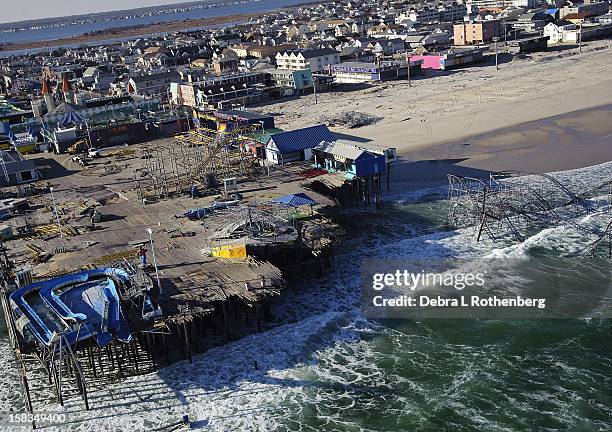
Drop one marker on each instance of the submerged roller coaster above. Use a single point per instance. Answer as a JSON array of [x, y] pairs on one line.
[[516, 205]]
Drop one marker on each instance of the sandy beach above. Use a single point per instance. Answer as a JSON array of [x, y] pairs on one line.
[[549, 111]]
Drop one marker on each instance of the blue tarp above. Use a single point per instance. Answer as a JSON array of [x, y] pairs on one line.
[[295, 200]]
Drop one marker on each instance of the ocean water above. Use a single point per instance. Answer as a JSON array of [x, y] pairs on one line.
[[324, 367], [232, 8]]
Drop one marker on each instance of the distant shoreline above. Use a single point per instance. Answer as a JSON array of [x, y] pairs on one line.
[[120, 33], [144, 30]]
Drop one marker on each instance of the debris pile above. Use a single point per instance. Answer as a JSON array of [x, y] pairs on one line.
[[351, 119]]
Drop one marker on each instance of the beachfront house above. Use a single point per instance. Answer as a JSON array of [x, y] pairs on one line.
[[317, 60], [556, 31], [292, 81], [296, 145]]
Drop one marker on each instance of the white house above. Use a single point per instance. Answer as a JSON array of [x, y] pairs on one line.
[[316, 60], [557, 34]]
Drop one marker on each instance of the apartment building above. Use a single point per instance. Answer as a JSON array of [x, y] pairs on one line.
[[317, 60], [477, 32]]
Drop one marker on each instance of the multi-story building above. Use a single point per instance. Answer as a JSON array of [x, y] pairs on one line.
[[425, 15], [589, 8], [475, 5], [220, 90], [443, 13], [476, 32], [154, 84], [530, 4], [317, 60], [452, 12], [295, 81]]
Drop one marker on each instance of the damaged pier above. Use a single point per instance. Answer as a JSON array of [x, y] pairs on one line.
[[157, 262]]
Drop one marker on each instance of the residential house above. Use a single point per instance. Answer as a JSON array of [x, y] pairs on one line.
[[589, 8], [295, 81], [225, 40], [556, 31], [98, 78], [225, 65], [343, 29], [576, 18], [387, 46], [317, 60]]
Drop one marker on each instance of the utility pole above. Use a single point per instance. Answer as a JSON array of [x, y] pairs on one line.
[[409, 79], [580, 39], [314, 85], [495, 39]]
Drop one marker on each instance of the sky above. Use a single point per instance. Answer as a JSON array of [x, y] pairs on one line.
[[21, 10]]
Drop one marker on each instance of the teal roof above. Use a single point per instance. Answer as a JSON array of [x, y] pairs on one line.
[[263, 136]]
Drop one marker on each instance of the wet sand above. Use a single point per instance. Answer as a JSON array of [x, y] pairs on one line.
[[569, 141]]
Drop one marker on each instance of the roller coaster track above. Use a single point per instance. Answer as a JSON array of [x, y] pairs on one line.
[[607, 233], [504, 202]]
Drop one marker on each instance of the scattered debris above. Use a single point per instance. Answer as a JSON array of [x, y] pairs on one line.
[[351, 119]]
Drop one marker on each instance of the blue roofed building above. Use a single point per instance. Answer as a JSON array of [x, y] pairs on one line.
[[296, 145], [347, 158]]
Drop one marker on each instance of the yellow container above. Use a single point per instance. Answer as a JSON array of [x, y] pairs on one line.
[[230, 251]]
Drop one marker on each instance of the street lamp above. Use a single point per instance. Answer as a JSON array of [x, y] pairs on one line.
[[59, 223], [150, 231], [408, 61]]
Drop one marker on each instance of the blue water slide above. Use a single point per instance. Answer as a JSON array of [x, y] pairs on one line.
[[48, 305], [40, 330], [51, 299]]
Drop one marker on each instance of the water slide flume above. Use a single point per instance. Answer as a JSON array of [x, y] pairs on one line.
[[78, 306]]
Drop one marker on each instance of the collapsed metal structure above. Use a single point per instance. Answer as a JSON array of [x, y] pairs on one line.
[[200, 158], [516, 205]]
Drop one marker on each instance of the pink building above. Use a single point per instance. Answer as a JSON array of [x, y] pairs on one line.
[[453, 58]]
